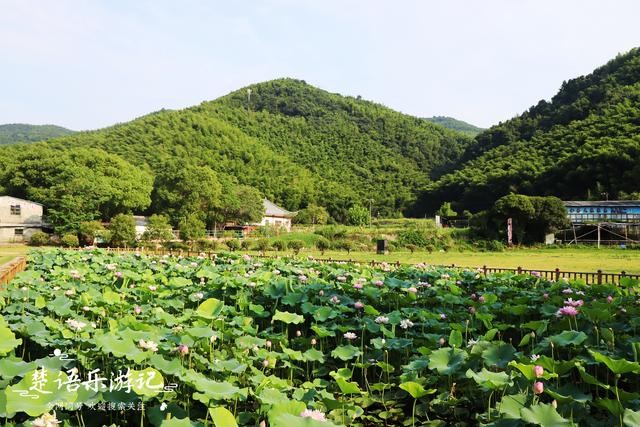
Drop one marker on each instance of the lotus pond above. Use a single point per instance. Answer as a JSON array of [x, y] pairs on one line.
[[93, 338]]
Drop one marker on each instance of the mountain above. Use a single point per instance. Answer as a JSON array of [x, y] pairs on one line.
[[295, 143], [12, 133], [458, 125], [582, 143]]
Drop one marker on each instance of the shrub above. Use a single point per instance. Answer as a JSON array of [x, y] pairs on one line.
[[345, 245], [158, 228], [206, 245], [332, 232], [312, 214], [233, 244], [177, 246], [39, 238], [245, 245], [123, 230], [90, 230], [295, 245], [323, 244], [358, 215], [191, 228], [412, 248], [69, 241], [262, 245], [279, 245]]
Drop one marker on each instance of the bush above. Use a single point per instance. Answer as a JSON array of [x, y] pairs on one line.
[[262, 245], [175, 246], [233, 244], [123, 230], [245, 245], [358, 215], [191, 228], [323, 244], [206, 245], [295, 245], [39, 238], [345, 245], [90, 230], [332, 232], [412, 248], [279, 245], [69, 241], [158, 228]]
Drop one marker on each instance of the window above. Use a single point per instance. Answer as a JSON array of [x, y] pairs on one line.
[[18, 232], [15, 209]]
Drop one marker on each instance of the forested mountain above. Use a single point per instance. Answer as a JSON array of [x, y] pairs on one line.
[[18, 132], [584, 142], [294, 143], [455, 124]]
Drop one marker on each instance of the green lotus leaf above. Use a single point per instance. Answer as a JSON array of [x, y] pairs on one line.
[[291, 407], [490, 380], [566, 338], [38, 391], [210, 309], [288, 420], [288, 318], [222, 417], [313, 355], [544, 415], [447, 360], [147, 382], [177, 422], [617, 366], [179, 282], [498, 354], [8, 339], [511, 405], [271, 396], [346, 352], [110, 343], [324, 313], [11, 367], [416, 390], [631, 418], [455, 338], [347, 387]]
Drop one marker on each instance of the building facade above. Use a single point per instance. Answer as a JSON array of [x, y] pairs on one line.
[[19, 219], [275, 216], [621, 211]]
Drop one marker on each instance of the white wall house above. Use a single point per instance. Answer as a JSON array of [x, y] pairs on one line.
[[275, 216], [19, 219], [141, 225]]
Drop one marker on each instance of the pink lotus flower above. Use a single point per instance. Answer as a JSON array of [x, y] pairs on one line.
[[350, 336], [118, 274], [413, 290], [265, 363], [268, 344], [567, 291], [567, 311], [341, 279], [473, 296], [545, 296], [535, 273], [357, 285], [442, 342], [314, 415], [359, 305], [472, 310], [609, 299], [538, 371], [538, 387], [313, 341], [378, 283], [137, 309], [298, 333], [573, 303], [302, 278], [443, 316], [334, 299], [321, 293], [481, 299], [183, 349]]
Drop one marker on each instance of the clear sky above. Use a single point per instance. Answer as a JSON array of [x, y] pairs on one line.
[[86, 64]]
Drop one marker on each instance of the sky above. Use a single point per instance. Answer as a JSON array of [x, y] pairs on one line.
[[87, 64]]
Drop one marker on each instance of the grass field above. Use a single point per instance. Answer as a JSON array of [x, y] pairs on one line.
[[566, 259]]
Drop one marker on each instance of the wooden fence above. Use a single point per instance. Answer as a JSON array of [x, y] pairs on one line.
[[9, 270], [598, 277]]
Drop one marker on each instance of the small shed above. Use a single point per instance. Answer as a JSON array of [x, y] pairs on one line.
[[276, 216], [19, 219]]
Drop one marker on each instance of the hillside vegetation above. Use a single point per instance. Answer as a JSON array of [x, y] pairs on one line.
[[581, 144], [455, 124], [18, 132], [294, 143]]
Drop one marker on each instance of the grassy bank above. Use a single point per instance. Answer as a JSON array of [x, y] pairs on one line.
[[7, 253]]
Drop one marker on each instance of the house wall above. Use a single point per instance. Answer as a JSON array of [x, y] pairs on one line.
[[29, 220], [275, 221]]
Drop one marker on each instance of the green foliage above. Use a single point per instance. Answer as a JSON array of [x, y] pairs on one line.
[[446, 210], [13, 133], [158, 229], [123, 230], [262, 245], [358, 215], [69, 241], [89, 231], [312, 214], [191, 227], [279, 245], [323, 244], [581, 144], [457, 125], [517, 207], [295, 245], [39, 238], [233, 244], [240, 204]]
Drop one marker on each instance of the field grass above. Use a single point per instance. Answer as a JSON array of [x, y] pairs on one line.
[[7, 253], [566, 259]]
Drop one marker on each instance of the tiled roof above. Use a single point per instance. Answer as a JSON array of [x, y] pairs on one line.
[[603, 203], [271, 209]]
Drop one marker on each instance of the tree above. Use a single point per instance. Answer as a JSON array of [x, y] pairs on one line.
[[69, 241], [312, 214], [89, 231], [182, 189], [158, 229], [323, 244], [192, 228], [446, 210], [123, 230], [240, 204], [517, 207], [358, 215], [295, 245], [550, 216]]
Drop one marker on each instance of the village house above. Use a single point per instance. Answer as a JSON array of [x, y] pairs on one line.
[[275, 216], [19, 219]]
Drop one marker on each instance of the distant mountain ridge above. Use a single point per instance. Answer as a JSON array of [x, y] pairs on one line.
[[455, 124], [20, 132]]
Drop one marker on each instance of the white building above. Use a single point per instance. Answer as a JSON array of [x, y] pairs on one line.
[[275, 216], [141, 225], [19, 219]]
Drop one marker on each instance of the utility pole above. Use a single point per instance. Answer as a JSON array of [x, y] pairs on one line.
[[370, 211]]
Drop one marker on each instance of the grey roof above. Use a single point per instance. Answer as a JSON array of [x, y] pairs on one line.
[[603, 203], [22, 200], [271, 209]]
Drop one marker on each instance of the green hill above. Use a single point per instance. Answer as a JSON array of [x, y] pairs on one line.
[[13, 133], [457, 125], [293, 142], [584, 142]]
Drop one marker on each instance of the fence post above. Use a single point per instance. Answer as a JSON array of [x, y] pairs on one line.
[[484, 269], [397, 264], [599, 277], [519, 270], [557, 274]]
